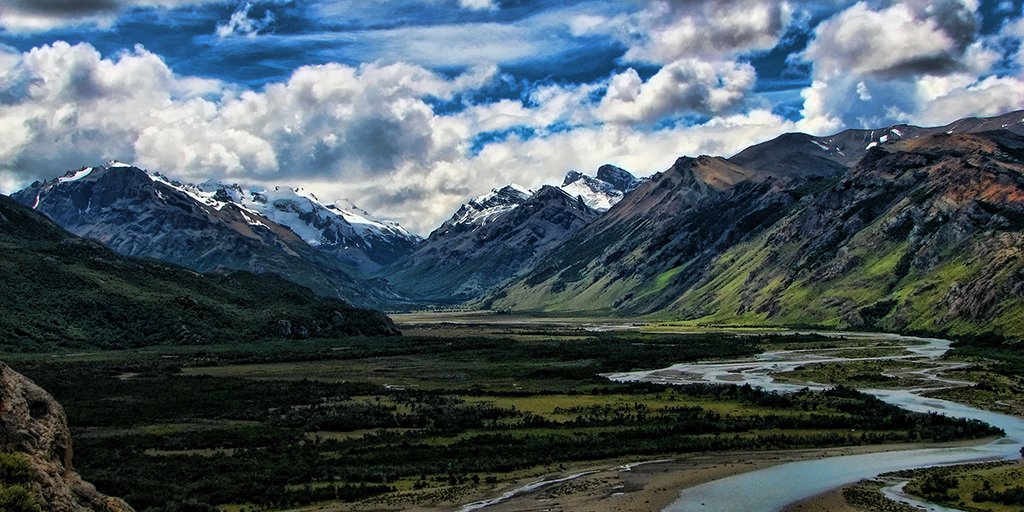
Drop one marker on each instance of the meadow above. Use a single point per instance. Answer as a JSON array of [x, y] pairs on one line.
[[443, 415]]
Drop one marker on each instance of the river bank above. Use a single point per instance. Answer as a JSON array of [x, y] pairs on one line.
[[654, 486], [774, 482]]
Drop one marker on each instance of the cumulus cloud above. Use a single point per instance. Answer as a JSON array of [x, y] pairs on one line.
[[365, 132], [374, 132], [436, 190], [667, 31], [915, 61], [682, 87], [61, 105], [902, 39]]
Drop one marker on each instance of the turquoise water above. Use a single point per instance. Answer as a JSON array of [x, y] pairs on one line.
[[776, 487]]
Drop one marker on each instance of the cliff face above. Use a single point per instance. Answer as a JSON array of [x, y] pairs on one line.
[[33, 425]]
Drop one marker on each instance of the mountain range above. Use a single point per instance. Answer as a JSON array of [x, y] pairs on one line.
[[901, 227], [61, 289], [215, 227]]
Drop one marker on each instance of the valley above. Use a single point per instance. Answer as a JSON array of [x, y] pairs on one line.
[[460, 408], [511, 256], [706, 330]]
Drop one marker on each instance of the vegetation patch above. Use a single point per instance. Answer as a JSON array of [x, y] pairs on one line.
[[423, 420]]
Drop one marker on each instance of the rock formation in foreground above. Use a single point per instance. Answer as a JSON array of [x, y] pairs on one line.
[[34, 428]]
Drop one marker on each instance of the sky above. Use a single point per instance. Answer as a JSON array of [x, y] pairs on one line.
[[410, 107]]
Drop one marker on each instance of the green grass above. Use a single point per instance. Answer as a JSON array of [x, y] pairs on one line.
[[965, 486], [290, 425]]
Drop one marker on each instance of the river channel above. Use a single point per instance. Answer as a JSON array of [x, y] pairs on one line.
[[779, 486]]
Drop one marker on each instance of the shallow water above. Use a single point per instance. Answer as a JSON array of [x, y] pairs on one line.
[[776, 487]]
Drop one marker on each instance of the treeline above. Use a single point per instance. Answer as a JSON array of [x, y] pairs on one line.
[[1009, 352], [275, 462]]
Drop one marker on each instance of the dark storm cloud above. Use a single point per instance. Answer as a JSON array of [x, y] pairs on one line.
[[72, 8]]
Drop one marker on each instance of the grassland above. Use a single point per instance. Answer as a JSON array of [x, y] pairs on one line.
[[446, 414], [989, 487]]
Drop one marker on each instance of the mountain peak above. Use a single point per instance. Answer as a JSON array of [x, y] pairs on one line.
[[604, 190], [572, 176], [621, 179], [483, 209], [114, 164]]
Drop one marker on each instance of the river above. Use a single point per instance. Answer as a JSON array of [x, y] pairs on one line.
[[779, 486]]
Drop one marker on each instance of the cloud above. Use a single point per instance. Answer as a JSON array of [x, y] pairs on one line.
[[41, 15], [436, 190], [667, 31], [440, 36], [241, 24], [61, 105], [683, 87], [900, 40], [478, 5], [920, 62], [368, 132], [388, 130]]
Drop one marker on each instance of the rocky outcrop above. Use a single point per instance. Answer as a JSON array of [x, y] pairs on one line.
[[33, 424]]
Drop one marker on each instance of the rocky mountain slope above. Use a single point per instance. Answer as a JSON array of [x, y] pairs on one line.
[[490, 239], [679, 216], [36, 453], [60, 289], [802, 155], [921, 234], [140, 214]]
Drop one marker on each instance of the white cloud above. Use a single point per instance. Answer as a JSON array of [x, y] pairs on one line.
[[681, 87], [436, 190], [915, 61], [666, 31], [988, 97], [892, 40], [478, 5], [366, 132], [241, 24]]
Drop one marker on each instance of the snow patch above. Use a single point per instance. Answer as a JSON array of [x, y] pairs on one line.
[[76, 176], [873, 144], [820, 145]]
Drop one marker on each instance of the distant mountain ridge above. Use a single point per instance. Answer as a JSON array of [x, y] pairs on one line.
[[803, 155], [216, 228], [602, 191], [490, 239], [63, 290], [922, 234], [670, 245]]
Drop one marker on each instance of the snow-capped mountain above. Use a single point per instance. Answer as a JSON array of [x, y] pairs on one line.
[[491, 238], [213, 227], [340, 228], [484, 209], [604, 190]]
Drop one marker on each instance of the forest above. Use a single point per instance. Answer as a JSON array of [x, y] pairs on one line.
[[273, 425]]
